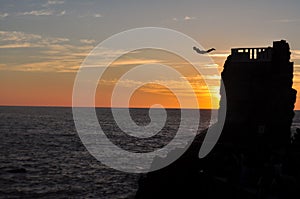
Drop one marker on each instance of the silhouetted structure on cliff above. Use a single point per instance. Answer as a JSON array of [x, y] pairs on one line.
[[260, 97], [254, 157]]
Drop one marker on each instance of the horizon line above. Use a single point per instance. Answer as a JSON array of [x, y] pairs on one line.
[[62, 106]]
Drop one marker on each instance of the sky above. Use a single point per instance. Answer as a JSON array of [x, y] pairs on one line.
[[44, 42]]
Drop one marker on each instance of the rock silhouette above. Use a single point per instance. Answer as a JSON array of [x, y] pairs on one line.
[[255, 156]]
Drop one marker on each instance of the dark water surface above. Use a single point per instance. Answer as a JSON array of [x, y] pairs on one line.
[[43, 157]]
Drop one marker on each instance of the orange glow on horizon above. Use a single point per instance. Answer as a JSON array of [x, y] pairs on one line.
[[154, 93], [55, 89]]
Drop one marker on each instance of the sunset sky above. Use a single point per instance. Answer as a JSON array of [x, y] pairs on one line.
[[43, 43]]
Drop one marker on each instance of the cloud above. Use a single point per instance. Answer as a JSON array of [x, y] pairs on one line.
[[211, 65], [43, 12], [22, 45], [219, 55], [108, 53], [295, 54], [176, 84], [53, 54], [186, 18], [55, 2], [43, 66], [97, 15], [87, 41], [135, 62], [54, 58], [89, 14], [206, 77], [285, 20], [3, 15], [189, 18], [62, 13], [60, 55], [15, 39], [181, 86], [38, 13]]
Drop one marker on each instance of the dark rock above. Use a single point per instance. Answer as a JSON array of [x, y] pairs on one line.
[[254, 157]]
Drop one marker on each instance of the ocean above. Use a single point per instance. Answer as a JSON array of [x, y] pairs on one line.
[[42, 155]]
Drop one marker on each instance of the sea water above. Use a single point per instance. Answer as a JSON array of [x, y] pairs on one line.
[[42, 155]]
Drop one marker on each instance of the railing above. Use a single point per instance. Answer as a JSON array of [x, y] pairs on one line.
[[251, 54]]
